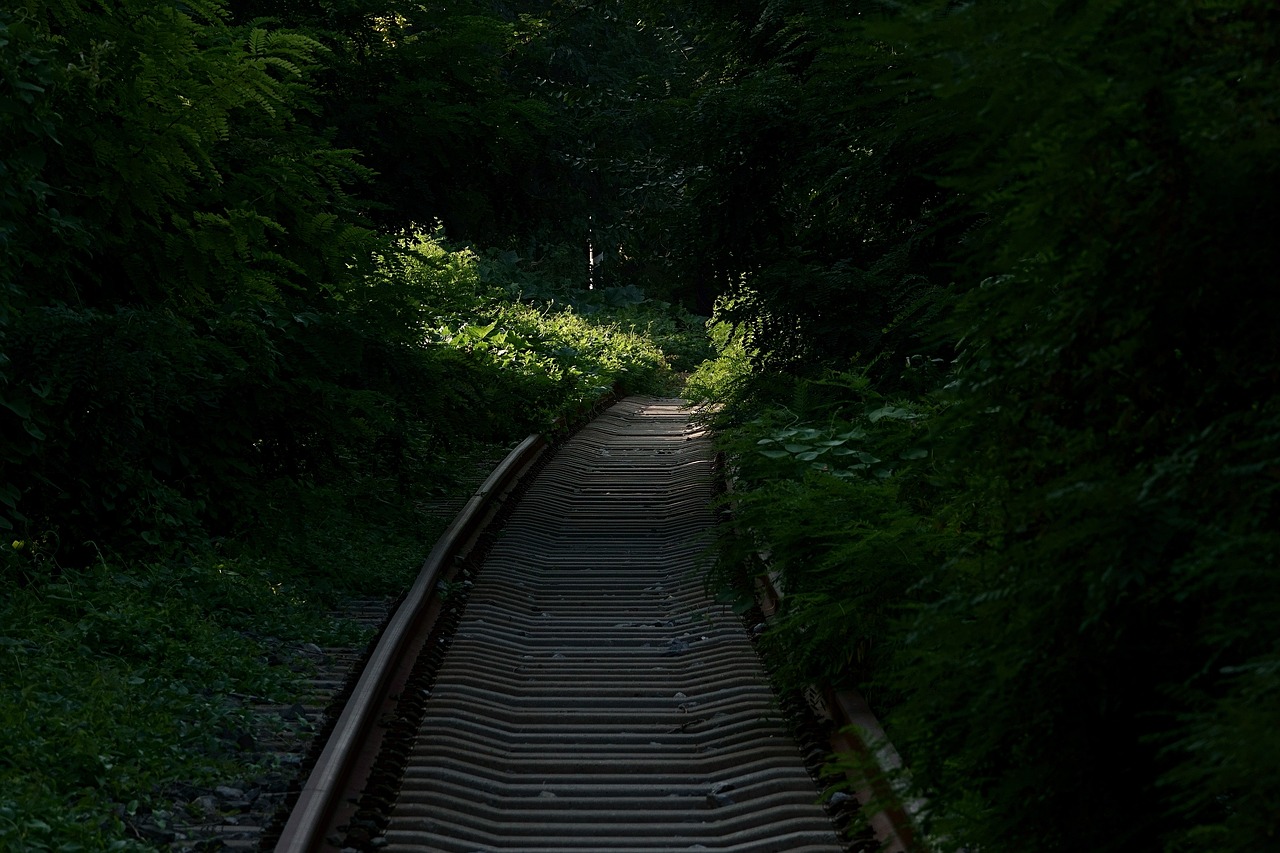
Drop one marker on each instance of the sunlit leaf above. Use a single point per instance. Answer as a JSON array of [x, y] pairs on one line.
[[479, 332]]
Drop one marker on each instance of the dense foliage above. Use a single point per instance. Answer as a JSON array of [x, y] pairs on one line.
[[192, 301], [237, 365], [996, 368], [1067, 608]]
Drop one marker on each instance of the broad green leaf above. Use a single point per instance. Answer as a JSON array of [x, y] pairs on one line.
[[479, 332], [891, 412], [21, 408]]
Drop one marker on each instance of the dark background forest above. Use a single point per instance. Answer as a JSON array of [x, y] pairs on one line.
[[991, 286]]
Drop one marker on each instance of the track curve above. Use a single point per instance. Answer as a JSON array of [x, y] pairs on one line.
[[594, 697]]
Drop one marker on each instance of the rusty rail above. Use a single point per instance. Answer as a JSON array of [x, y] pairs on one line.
[[859, 733], [340, 768]]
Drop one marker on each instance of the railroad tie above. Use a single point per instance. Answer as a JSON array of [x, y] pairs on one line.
[[594, 697]]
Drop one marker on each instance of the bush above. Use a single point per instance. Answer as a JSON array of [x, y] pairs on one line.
[[847, 508], [1087, 666]]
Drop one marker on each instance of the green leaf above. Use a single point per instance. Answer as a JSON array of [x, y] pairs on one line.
[[914, 453], [479, 332], [891, 412], [21, 408]]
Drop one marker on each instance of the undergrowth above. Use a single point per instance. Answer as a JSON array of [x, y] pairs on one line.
[[117, 679], [129, 673], [837, 493]]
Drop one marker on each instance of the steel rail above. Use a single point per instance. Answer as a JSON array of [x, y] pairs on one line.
[[344, 755], [878, 769], [877, 776], [560, 720]]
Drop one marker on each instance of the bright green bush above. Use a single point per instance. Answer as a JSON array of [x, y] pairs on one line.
[[720, 377], [555, 348]]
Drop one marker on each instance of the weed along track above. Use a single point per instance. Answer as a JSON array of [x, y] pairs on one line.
[[590, 696]]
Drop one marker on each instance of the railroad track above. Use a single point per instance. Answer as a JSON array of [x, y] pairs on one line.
[[592, 696]]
